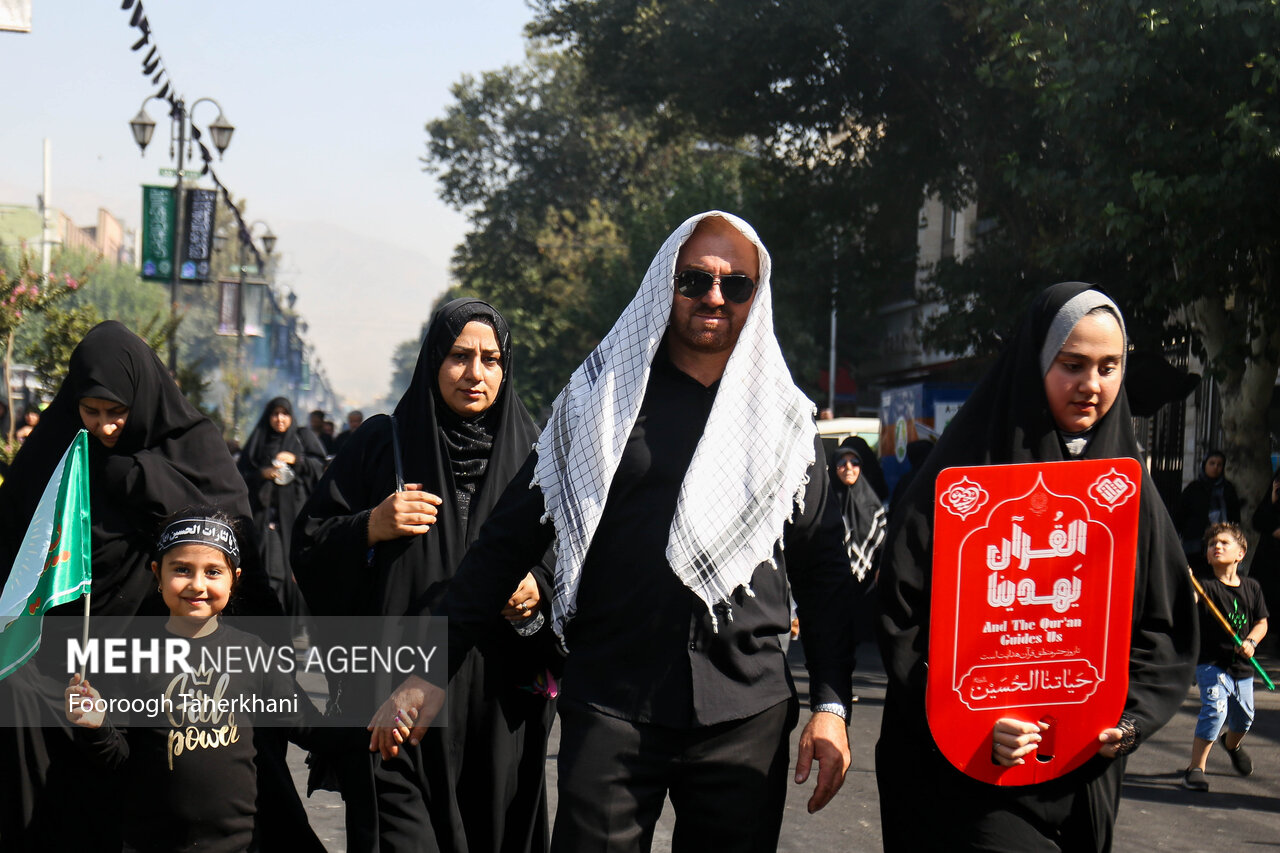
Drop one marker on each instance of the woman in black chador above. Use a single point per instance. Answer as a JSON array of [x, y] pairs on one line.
[[281, 463], [864, 527], [1208, 499], [1054, 394], [151, 453], [362, 548]]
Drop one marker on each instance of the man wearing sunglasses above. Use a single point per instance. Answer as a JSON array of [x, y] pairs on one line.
[[684, 485]]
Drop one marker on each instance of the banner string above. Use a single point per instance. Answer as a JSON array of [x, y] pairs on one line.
[[153, 68]]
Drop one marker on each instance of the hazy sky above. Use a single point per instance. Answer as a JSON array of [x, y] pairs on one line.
[[329, 100]]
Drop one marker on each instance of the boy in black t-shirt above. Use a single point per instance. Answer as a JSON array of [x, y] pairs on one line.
[[1223, 672]]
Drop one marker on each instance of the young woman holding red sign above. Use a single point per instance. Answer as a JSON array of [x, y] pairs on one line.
[[1055, 394]]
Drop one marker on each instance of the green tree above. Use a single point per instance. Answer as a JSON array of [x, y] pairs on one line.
[[1155, 131], [105, 290], [24, 294], [1116, 142], [568, 203]]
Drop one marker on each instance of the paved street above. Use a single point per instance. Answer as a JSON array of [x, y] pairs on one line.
[[1157, 813]]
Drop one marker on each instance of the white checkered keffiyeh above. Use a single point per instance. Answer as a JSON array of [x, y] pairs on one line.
[[748, 473]]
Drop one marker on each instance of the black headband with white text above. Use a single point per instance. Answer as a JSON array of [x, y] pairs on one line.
[[201, 531]]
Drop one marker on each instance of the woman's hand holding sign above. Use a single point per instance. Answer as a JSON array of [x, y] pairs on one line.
[[1012, 740]]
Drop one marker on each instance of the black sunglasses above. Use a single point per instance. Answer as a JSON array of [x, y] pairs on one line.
[[694, 284]]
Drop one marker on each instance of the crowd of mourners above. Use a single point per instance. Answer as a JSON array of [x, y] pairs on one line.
[[633, 566]]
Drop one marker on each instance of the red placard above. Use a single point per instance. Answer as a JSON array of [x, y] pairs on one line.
[[1032, 607]]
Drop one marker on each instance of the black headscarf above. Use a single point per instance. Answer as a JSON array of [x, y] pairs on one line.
[[1007, 420], [264, 442], [447, 454], [871, 470], [1216, 488], [468, 441], [168, 456], [863, 513]]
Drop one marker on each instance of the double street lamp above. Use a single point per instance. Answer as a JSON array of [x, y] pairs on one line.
[[183, 127]]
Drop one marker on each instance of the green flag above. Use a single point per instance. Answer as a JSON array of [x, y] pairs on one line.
[[53, 566]]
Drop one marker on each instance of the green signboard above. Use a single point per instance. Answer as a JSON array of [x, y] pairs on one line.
[[159, 224]]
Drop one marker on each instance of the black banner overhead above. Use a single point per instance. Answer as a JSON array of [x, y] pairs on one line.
[[197, 248]]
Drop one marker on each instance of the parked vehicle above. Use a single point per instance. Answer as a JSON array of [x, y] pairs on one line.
[[837, 430]]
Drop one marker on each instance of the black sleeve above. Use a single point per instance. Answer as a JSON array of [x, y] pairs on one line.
[[310, 463], [511, 541], [1265, 517], [1165, 640], [331, 534], [305, 727], [106, 745], [1182, 510], [905, 590], [818, 570]]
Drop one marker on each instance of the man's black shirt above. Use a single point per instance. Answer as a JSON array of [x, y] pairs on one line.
[[641, 645]]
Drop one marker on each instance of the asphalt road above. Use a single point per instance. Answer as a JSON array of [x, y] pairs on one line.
[[1157, 813]]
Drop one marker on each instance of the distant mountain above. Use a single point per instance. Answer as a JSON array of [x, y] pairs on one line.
[[360, 297]]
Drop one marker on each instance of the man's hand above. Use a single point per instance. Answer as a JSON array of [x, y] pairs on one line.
[[405, 716], [826, 739]]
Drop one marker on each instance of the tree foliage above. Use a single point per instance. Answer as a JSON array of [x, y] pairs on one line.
[[1115, 142], [24, 294], [106, 290], [570, 195], [1154, 131], [567, 205]]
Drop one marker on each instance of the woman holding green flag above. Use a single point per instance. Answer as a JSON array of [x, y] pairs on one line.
[[151, 454]]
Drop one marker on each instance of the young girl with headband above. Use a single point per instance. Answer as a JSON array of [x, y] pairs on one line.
[[188, 763]]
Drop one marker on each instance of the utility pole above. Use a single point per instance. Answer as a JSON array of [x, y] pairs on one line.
[[835, 289], [175, 280], [46, 211]]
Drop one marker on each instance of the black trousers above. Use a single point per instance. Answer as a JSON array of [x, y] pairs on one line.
[[727, 782]]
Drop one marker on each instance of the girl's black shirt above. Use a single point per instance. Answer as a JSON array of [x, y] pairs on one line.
[[188, 777]]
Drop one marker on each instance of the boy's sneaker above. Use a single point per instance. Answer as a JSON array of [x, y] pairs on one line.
[[1240, 760], [1193, 780]]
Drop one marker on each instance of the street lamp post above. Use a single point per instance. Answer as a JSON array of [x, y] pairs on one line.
[[220, 130]]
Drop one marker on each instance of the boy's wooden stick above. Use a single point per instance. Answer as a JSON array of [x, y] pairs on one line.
[[1226, 626]]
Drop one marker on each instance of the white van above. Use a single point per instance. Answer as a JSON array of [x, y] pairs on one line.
[[837, 430]]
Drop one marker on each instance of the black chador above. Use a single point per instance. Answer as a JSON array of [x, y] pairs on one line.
[[276, 502], [168, 456], [1007, 420], [476, 784]]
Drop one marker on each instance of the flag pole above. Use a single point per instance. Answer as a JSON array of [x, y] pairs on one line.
[[1222, 620], [84, 634]]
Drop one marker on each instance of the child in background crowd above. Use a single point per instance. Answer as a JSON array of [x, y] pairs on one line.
[[1223, 672]]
